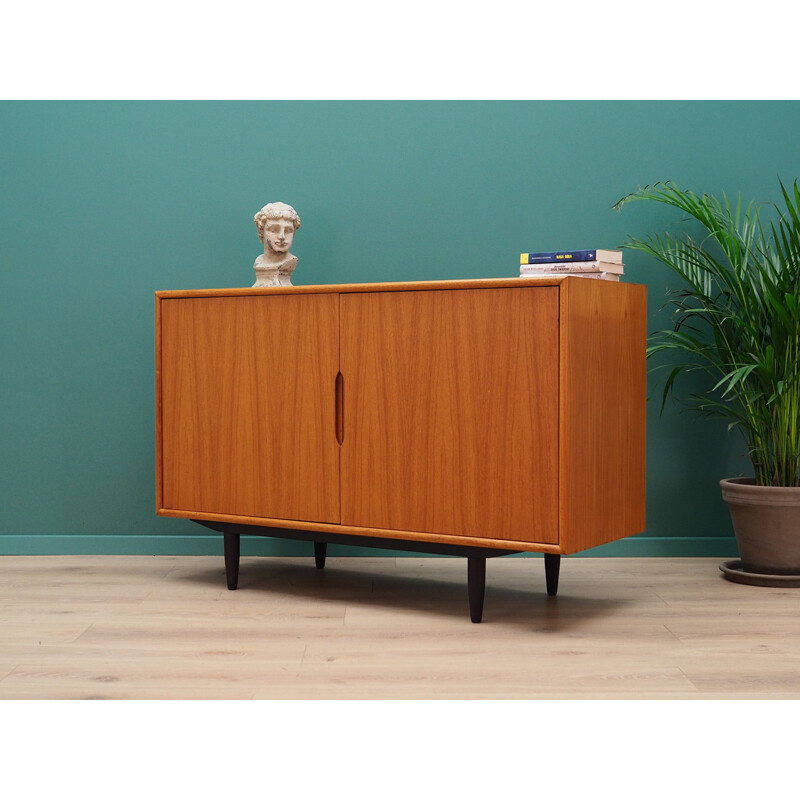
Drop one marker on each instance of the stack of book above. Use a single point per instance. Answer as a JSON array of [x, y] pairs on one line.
[[604, 265]]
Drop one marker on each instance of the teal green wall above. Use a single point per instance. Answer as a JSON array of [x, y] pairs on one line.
[[103, 203]]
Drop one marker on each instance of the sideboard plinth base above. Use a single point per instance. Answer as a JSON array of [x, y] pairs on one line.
[[476, 556]]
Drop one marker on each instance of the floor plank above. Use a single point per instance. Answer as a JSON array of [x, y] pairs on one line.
[[136, 627]]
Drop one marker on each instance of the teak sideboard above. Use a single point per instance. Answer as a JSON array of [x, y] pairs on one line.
[[473, 418]]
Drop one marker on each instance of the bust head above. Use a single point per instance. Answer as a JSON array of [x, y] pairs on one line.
[[276, 224]]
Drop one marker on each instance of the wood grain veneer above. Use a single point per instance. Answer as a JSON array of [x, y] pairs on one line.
[[451, 404], [500, 412], [603, 412], [351, 288], [355, 531], [247, 405]]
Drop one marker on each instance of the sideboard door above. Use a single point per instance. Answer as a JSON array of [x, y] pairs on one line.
[[248, 406], [451, 411]]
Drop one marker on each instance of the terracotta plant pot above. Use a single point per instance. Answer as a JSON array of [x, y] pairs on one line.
[[766, 521]]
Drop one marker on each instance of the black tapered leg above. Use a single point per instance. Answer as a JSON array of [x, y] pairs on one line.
[[232, 559], [552, 564], [476, 585], [320, 551]]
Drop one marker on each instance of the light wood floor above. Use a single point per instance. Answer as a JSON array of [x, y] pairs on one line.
[[165, 627]]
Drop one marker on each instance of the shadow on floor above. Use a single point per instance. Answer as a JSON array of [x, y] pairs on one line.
[[343, 583]]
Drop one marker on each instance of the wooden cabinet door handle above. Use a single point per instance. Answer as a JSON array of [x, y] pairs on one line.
[[339, 408]]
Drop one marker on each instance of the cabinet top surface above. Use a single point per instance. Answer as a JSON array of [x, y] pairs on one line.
[[475, 283]]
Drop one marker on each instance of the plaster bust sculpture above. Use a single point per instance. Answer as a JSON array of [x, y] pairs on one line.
[[276, 224]]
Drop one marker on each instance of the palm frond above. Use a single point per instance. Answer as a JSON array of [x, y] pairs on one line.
[[736, 316]]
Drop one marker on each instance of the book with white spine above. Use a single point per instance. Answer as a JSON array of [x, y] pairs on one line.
[[574, 266], [602, 276]]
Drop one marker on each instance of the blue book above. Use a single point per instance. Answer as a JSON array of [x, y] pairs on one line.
[[561, 256]]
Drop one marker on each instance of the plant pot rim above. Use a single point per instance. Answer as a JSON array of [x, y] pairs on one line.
[[747, 491]]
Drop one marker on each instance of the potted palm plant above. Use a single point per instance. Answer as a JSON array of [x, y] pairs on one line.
[[736, 319]]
